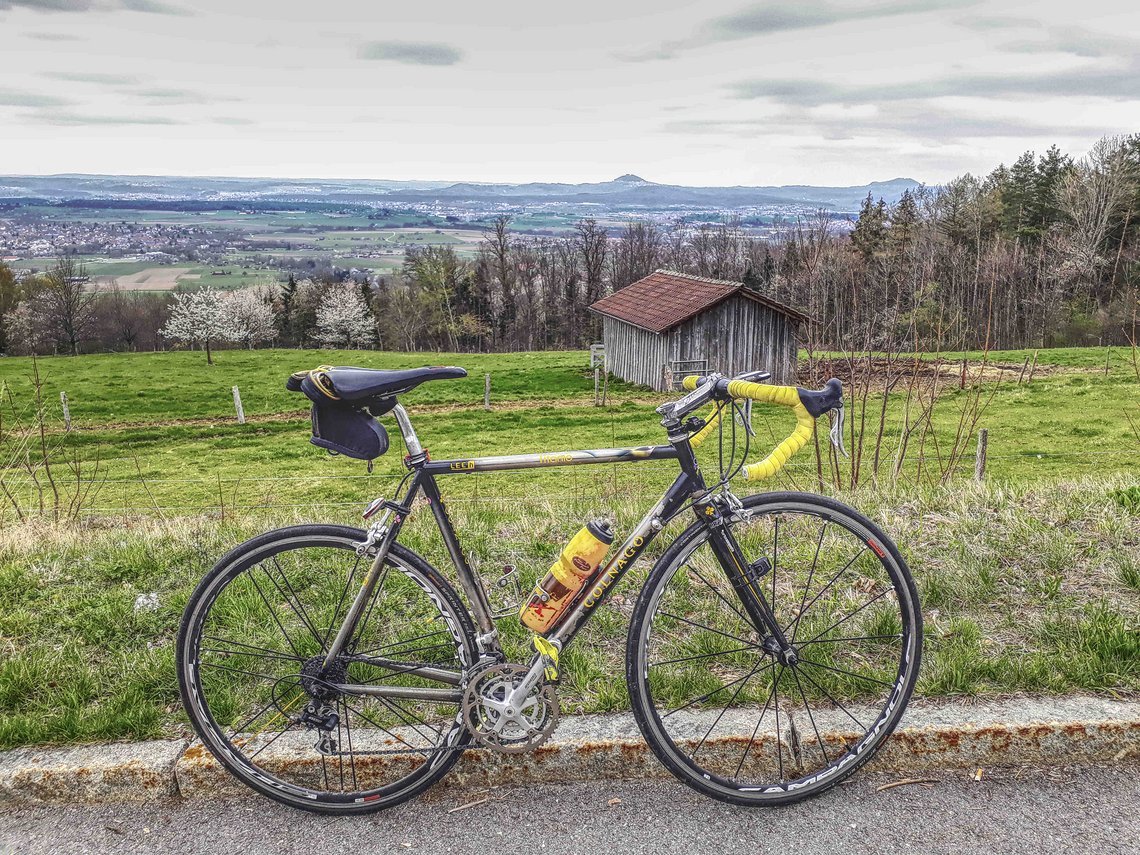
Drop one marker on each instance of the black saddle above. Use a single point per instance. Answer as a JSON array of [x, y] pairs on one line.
[[347, 400], [346, 383]]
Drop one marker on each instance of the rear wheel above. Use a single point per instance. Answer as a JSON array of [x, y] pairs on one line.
[[718, 702], [251, 669]]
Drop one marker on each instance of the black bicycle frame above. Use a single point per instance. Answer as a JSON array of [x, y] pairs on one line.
[[689, 486]]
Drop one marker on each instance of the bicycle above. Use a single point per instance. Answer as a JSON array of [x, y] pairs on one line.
[[771, 651]]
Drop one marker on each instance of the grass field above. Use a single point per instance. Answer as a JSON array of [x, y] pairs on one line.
[[1030, 582]]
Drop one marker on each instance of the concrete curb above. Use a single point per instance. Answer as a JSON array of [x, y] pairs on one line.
[[1018, 732]]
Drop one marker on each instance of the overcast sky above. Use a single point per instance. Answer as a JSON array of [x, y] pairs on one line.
[[719, 92]]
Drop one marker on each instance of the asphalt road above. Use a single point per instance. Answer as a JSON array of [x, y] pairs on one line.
[[1085, 810]]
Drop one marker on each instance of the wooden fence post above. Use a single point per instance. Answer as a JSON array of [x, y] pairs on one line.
[[487, 391], [980, 455], [606, 388], [597, 382], [66, 411], [238, 407]]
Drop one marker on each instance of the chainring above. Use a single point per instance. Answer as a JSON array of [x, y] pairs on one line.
[[509, 730]]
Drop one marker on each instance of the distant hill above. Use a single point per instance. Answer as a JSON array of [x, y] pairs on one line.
[[626, 191]]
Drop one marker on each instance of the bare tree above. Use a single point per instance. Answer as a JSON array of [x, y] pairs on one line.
[[66, 300]]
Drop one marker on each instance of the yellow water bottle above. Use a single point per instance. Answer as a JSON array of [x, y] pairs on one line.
[[579, 561]]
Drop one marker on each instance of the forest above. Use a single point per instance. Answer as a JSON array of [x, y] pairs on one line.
[[1042, 253]]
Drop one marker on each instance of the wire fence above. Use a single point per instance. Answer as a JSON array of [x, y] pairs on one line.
[[134, 496]]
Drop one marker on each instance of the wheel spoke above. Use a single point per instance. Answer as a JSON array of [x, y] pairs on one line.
[[293, 601], [849, 638], [708, 695], [703, 626], [839, 623], [720, 715], [701, 656], [759, 721], [807, 585], [775, 558], [340, 603], [779, 745], [811, 718], [825, 588], [246, 649], [348, 733], [812, 680], [397, 737], [849, 673], [273, 614], [722, 597]]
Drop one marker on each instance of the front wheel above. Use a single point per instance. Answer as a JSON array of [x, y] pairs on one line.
[[721, 706], [256, 687]]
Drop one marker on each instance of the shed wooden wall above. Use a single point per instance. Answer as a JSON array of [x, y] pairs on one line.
[[734, 336]]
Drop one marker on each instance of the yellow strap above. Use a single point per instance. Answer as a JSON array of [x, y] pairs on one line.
[[321, 381], [787, 396], [548, 651]]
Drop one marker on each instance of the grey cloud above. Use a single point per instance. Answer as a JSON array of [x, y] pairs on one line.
[[1118, 84], [776, 17], [68, 118], [151, 7], [20, 98], [48, 5], [96, 77], [233, 120], [412, 53], [916, 121], [998, 22], [178, 96], [1076, 41], [52, 37]]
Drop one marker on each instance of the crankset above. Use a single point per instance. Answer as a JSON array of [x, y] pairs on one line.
[[502, 714]]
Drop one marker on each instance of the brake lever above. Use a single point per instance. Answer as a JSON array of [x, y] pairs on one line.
[[836, 433]]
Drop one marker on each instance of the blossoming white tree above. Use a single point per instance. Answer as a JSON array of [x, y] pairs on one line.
[[251, 315], [344, 320], [200, 317]]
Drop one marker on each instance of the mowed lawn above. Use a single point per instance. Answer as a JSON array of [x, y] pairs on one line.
[[163, 431]]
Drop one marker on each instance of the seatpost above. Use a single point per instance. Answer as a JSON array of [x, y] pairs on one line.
[[411, 441]]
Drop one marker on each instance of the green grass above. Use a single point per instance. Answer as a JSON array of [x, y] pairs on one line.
[[1029, 582], [79, 663], [163, 429]]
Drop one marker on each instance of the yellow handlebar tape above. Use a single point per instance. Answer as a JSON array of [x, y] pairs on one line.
[[786, 396]]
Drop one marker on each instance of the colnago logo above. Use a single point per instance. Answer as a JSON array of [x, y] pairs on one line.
[[614, 571]]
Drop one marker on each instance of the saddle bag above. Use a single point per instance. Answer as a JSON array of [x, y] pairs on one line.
[[340, 427]]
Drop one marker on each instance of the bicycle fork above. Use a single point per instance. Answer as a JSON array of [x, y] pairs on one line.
[[745, 577]]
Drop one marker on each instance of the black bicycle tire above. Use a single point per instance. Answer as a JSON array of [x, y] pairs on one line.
[[236, 561], [645, 713]]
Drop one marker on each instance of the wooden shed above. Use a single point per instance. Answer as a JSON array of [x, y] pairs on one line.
[[669, 324]]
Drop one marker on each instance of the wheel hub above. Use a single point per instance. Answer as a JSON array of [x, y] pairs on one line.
[[317, 681]]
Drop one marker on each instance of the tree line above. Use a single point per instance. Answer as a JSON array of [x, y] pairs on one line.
[[1045, 252]]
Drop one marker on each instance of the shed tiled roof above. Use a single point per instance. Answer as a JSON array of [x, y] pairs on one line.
[[664, 299]]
